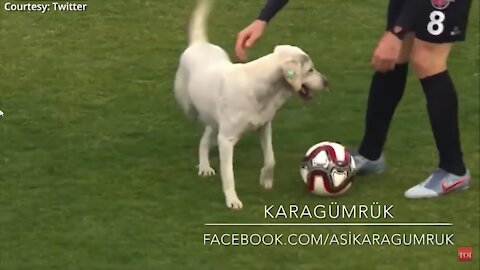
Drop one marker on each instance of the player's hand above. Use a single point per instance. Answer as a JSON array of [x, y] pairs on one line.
[[387, 52], [247, 37]]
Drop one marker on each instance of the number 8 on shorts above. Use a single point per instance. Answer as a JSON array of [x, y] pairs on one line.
[[443, 21], [435, 26]]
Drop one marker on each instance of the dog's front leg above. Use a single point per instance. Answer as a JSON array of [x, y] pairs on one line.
[[266, 174], [226, 145]]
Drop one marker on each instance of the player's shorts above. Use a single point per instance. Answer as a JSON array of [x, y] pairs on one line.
[[441, 21]]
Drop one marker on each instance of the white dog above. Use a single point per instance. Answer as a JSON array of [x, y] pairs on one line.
[[231, 99]]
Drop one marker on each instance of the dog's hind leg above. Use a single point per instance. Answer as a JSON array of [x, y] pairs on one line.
[[266, 174], [182, 95], [206, 141], [226, 146]]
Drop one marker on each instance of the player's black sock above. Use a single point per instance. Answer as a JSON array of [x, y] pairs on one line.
[[386, 91], [442, 105]]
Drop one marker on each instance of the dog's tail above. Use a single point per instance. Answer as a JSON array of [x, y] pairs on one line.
[[197, 31]]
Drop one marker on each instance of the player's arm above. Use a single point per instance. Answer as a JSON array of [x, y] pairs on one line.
[[270, 9], [248, 36], [411, 12]]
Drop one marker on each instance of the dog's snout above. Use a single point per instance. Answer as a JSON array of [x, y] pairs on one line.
[[325, 81]]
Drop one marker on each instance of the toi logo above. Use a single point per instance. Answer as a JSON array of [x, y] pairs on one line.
[[464, 254]]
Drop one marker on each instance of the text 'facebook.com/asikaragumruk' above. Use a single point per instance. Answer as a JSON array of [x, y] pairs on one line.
[[329, 239]]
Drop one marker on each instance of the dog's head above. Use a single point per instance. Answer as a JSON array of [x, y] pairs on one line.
[[299, 71]]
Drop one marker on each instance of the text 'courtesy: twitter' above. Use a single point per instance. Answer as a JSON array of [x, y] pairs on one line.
[[44, 7]]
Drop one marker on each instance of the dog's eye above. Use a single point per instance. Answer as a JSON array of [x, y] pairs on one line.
[[310, 70]]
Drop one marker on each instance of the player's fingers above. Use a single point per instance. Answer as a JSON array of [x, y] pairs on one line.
[[391, 65], [240, 45], [376, 62], [241, 37], [387, 65], [373, 62], [251, 40], [380, 65], [240, 54]]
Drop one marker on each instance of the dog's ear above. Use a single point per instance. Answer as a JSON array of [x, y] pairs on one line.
[[292, 71]]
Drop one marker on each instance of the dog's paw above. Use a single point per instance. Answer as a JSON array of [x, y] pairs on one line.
[[266, 178], [266, 183], [205, 170], [234, 203]]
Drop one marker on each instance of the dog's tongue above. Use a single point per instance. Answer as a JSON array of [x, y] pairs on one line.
[[305, 93]]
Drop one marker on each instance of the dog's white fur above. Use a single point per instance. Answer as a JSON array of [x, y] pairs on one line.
[[231, 99]]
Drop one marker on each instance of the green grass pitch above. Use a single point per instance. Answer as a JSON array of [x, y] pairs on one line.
[[97, 163]]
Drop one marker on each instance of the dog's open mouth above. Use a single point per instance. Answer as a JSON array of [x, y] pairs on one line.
[[305, 92]]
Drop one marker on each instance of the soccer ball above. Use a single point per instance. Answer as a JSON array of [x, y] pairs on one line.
[[327, 169]]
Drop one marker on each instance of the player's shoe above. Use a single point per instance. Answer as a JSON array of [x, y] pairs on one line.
[[439, 183], [365, 166]]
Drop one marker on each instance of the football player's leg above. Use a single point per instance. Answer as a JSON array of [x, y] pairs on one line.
[[430, 52], [386, 91]]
